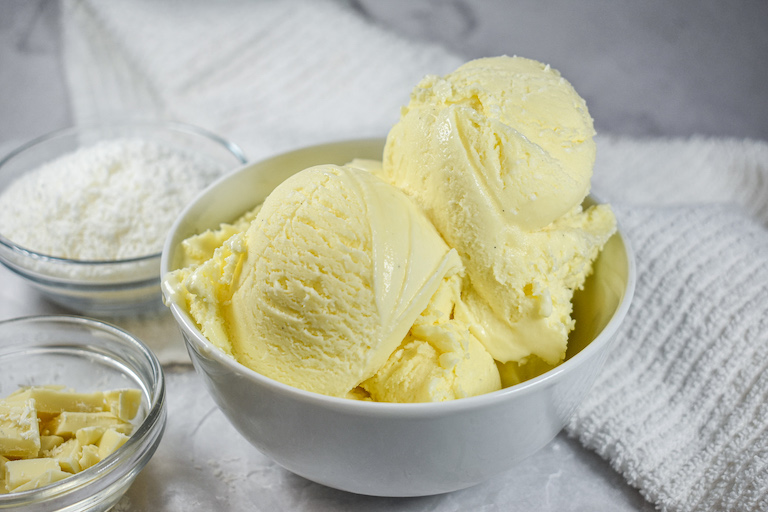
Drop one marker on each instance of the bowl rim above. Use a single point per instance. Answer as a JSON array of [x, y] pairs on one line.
[[141, 444], [176, 126], [197, 342]]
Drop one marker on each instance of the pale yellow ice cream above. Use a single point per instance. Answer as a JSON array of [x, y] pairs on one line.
[[324, 284], [499, 154], [443, 272], [439, 359], [508, 133]]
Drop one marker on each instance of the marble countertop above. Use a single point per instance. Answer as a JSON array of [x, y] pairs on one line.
[[650, 69], [646, 69]]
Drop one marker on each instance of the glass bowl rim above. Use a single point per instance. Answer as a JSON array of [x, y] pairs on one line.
[[143, 440], [176, 126]]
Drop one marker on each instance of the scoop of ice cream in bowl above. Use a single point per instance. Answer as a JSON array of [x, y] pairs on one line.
[[368, 313]]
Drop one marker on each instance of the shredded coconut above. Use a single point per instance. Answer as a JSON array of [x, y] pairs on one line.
[[114, 200]]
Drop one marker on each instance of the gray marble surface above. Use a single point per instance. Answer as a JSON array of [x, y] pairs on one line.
[[647, 69], [651, 68]]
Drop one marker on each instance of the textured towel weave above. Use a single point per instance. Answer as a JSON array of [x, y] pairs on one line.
[[680, 408], [268, 75]]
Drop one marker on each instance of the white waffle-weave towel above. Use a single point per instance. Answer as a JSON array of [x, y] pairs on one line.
[[680, 409]]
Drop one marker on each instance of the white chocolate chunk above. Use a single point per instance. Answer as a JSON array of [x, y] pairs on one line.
[[89, 435], [68, 455], [68, 423], [3, 460], [123, 403], [19, 432], [48, 443], [89, 457], [53, 400], [110, 442], [43, 479], [19, 472]]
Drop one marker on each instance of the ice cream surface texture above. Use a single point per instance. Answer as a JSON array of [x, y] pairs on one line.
[[499, 154], [444, 271], [512, 130], [440, 359], [324, 284]]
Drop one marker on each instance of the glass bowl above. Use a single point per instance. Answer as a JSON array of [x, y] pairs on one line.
[[85, 355], [114, 287], [391, 449]]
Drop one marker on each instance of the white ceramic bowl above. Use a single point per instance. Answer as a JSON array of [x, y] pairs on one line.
[[85, 355], [395, 449], [114, 287]]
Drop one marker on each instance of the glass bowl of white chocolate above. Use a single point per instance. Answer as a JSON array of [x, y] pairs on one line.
[[84, 211], [82, 411]]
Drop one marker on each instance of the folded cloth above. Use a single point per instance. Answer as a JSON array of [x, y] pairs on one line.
[[691, 171], [269, 76], [680, 408]]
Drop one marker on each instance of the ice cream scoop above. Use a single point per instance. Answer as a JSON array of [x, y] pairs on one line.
[[499, 154], [325, 282], [512, 134]]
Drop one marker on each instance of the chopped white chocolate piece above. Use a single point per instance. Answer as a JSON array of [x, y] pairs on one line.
[[43, 479], [19, 472], [19, 431], [22, 390], [110, 442], [89, 435], [68, 455], [89, 457], [52, 400], [67, 423], [3, 460], [48, 443], [123, 403]]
